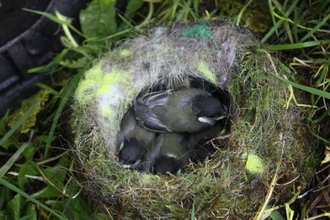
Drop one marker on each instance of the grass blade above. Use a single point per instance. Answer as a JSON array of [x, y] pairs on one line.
[[67, 93], [14, 157], [13, 129], [55, 19], [22, 193], [298, 45], [305, 88]]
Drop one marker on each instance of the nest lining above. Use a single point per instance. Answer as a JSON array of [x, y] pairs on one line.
[[221, 186]]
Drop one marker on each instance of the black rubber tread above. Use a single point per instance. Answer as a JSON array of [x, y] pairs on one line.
[[28, 40]]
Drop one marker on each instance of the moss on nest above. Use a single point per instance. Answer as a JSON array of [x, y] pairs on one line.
[[221, 186]]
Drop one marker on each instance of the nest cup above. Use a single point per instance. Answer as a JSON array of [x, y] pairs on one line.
[[265, 128]]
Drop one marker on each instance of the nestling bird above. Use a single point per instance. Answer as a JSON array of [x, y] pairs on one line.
[[197, 141], [185, 110], [169, 152], [133, 141], [167, 164]]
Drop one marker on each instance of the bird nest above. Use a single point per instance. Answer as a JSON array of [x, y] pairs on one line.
[[267, 137]]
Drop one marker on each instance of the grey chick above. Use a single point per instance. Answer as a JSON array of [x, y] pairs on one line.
[[169, 152], [133, 141], [198, 141], [185, 110]]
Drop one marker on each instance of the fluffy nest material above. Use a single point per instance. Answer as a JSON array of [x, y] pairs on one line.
[[267, 137]]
